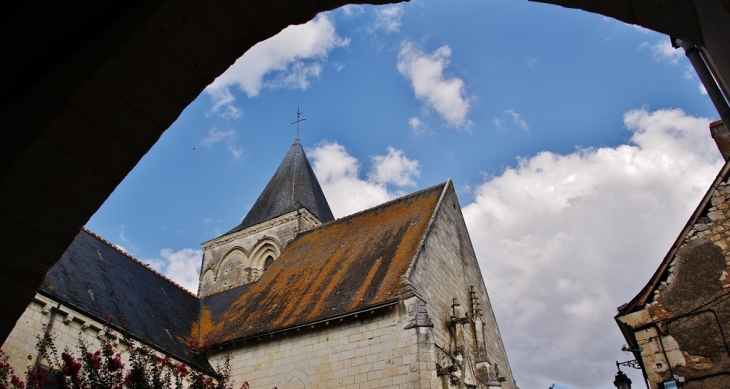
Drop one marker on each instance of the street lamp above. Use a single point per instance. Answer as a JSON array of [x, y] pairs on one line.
[[622, 381]]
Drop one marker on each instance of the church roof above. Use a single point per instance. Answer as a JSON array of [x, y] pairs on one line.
[[350, 264], [101, 282], [293, 186]]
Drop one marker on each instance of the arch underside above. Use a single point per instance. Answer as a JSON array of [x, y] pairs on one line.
[[89, 87]]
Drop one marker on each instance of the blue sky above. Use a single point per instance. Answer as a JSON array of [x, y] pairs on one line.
[[578, 146]]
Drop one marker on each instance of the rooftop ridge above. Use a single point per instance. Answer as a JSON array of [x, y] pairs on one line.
[[446, 185], [126, 254], [381, 205]]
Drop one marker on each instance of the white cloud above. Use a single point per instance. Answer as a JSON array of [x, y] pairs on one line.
[[499, 124], [122, 235], [387, 18], [565, 239], [689, 73], [291, 59], [516, 121], [562, 239], [703, 90], [182, 266], [663, 51], [445, 95], [352, 10], [339, 174], [215, 136], [223, 101], [641, 29], [415, 124], [394, 168], [128, 244]]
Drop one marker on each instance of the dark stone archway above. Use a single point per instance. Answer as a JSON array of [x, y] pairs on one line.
[[88, 87]]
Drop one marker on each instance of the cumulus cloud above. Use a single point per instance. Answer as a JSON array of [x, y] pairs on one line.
[[215, 136], [182, 266], [394, 168], [291, 59], [387, 18], [703, 90], [339, 174], [564, 239], [445, 95]]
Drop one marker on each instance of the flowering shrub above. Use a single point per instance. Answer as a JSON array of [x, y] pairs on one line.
[[104, 369], [6, 371]]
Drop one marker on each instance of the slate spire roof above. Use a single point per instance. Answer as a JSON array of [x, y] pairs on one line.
[[293, 186]]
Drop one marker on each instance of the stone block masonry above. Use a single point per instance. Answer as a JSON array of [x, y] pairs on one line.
[[373, 351], [66, 325]]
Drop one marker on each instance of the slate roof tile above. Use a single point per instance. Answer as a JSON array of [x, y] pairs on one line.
[[100, 281]]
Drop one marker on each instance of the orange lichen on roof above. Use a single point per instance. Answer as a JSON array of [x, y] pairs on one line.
[[204, 326], [352, 263]]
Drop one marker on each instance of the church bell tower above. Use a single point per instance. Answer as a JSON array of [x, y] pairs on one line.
[[292, 202]]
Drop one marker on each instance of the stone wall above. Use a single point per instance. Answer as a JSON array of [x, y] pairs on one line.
[[683, 329], [447, 269], [370, 351]]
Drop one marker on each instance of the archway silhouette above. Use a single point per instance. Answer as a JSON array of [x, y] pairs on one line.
[[88, 88]]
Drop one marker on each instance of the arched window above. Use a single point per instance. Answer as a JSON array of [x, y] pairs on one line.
[[269, 261]]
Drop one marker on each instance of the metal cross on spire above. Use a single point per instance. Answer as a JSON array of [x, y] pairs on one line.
[[299, 113]]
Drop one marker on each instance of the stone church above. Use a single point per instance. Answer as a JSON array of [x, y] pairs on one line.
[[390, 297]]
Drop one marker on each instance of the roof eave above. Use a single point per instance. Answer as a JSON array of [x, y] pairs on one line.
[[105, 321], [340, 317]]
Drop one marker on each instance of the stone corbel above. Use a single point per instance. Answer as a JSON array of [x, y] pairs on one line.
[[406, 289], [420, 317]]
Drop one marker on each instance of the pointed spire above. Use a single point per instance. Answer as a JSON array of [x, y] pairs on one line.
[[293, 186]]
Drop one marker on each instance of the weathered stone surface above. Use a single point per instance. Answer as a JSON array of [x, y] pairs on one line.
[[697, 275], [682, 330]]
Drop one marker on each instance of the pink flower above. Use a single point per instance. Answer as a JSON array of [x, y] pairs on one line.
[[180, 370], [17, 382]]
